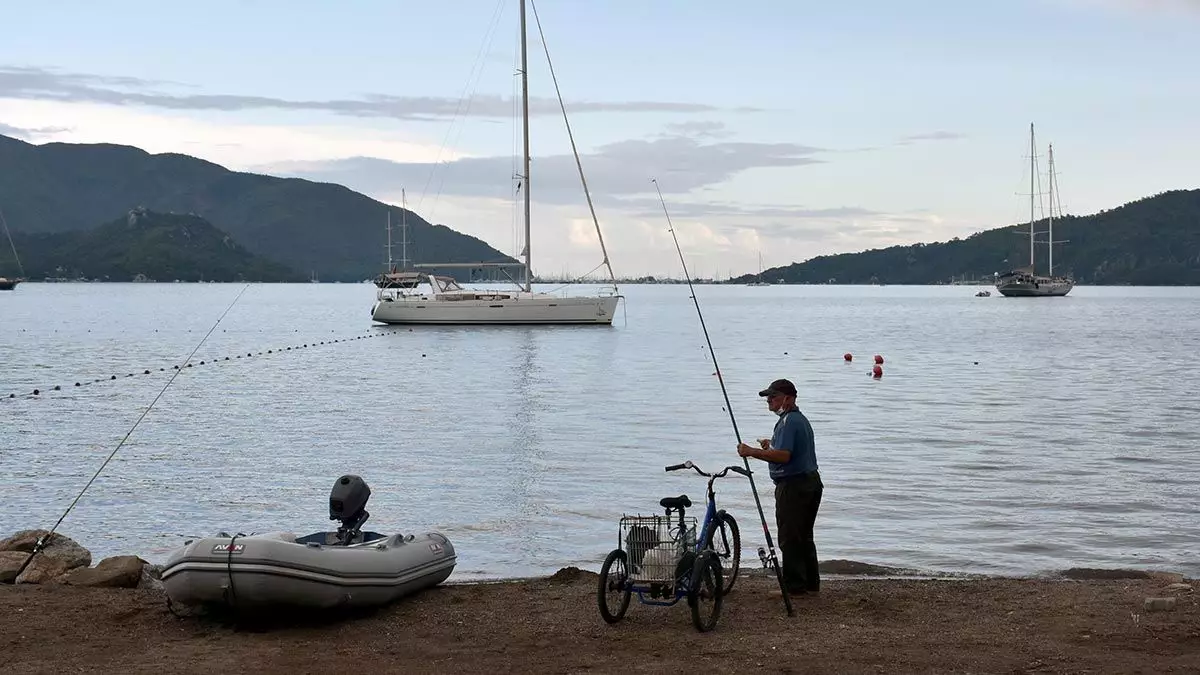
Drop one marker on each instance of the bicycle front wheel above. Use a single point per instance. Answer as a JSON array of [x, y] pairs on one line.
[[726, 541]]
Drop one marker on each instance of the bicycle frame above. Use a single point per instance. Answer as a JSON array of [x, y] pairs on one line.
[[711, 512]]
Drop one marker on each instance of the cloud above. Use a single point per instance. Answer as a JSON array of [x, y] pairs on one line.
[[1138, 6], [614, 170], [51, 85], [932, 136], [698, 129], [26, 133], [645, 207], [909, 140]]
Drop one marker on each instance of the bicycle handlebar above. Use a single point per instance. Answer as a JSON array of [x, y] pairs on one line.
[[689, 465]]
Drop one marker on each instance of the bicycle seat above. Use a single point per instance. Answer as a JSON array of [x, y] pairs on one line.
[[679, 502]]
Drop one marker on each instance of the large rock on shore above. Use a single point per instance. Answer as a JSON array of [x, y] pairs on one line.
[[59, 556], [10, 562], [63, 561], [119, 571]]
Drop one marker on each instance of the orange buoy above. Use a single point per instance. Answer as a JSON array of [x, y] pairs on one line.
[[877, 371], [848, 357]]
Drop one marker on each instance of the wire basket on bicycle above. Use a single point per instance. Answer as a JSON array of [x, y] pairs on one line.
[[655, 545]]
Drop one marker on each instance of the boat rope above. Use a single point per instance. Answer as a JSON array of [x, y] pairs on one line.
[[460, 110], [43, 540], [250, 354], [231, 598], [771, 558], [568, 283], [574, 150]]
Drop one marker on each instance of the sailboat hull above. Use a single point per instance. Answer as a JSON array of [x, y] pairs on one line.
[[519, 309], [1034, 287], [8, 284]]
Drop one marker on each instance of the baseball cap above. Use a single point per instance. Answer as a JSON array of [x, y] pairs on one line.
[[784, 387]]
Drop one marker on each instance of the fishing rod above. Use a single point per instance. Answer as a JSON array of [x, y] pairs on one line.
[[770, 559], [43, 540]]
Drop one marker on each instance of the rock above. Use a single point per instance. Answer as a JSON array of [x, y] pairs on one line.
[[121, 571], [10, 562], [151, 578], [1089, 573], [1178, 588], [60, 555], [44, 569], [1168, 577], [1158, 604]]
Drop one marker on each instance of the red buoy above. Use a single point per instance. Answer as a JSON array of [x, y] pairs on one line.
[[848, 357], [877, 371], [878, 359]]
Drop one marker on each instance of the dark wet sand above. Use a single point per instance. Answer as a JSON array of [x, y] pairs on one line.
[[552, 625]]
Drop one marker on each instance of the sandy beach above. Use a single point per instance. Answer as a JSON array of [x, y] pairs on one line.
[[994, 625]]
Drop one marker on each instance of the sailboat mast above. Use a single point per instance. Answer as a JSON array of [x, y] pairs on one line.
[[20, 267], [389, 239], [1050, 223], [403, 230], [1032, 176], [525, 138]]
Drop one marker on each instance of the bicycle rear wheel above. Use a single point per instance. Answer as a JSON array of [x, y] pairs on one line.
[[614, 590]]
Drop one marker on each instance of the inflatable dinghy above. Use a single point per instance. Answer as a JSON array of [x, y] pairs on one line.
[[322, 570]]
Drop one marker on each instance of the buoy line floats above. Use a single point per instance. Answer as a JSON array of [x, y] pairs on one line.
[[251, 354]]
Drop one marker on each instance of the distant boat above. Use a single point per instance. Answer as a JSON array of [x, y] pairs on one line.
[[400, 277], [1025, 282], [7, 284], [759, 280]]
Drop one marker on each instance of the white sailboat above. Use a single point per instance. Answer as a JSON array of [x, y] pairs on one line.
[[7, 284], [432, 299], [1025, 282]]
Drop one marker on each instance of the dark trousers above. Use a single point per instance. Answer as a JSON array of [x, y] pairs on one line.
[[797, 499]]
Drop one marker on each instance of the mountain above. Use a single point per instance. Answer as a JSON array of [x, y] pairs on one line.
[[158, 246], [1154, 241], [307, 226]]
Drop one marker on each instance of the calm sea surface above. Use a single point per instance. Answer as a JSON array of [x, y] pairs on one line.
[[1012, 436]]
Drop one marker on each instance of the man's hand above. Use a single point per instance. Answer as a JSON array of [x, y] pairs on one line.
[[764, 443], [746, 450]]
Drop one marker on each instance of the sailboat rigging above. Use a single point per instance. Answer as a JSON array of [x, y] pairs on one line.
[[446, 302], [7, 284], [758, 281]]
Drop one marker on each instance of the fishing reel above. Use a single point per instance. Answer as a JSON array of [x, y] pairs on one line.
[[347, 504]]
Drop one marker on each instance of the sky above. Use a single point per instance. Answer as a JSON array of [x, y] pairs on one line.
[[780, 129]]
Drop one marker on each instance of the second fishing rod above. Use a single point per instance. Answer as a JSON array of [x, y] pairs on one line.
[[770, 558]]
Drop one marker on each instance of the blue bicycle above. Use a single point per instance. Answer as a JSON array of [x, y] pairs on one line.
[[668, 559]]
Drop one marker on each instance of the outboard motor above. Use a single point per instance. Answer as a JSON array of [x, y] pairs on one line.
[[347, 502]]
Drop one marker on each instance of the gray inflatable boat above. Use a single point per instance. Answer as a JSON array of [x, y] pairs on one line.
[[322, 570]]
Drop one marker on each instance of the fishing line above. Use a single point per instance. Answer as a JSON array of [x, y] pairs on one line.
[[770, 558], [42, 541]]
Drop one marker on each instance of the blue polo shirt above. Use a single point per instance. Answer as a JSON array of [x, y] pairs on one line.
[[794, 434]]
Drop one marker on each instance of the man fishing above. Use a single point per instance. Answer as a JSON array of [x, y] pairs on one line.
[[792, 460]]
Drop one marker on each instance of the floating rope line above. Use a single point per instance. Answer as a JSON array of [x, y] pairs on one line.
[[48, 538], [149, 371]]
